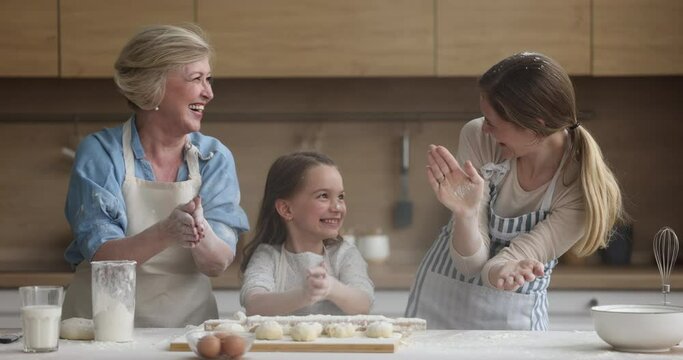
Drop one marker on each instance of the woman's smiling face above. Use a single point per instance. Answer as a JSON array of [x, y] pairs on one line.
[[514, 141], [188, 90]]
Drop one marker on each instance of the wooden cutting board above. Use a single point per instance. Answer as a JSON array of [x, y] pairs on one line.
[[356, 344]]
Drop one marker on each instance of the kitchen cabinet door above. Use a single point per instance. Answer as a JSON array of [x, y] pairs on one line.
[[28, 46], [94, 31], [474, 35], [638, 37], [309, 38]]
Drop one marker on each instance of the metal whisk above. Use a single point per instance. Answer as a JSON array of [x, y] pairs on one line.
[[666, 251]]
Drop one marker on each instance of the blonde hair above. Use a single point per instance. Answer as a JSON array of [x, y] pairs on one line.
[[150, 54], [526, 87]]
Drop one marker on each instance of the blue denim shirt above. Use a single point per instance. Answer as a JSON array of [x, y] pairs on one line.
[[95, 207]]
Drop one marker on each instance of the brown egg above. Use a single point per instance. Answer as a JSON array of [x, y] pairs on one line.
[[233, 346], [209, 346]]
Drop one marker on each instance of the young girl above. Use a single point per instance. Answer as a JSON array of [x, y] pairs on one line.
[[297, 263]]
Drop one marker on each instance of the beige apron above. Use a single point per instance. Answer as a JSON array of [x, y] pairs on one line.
[[170, 291]]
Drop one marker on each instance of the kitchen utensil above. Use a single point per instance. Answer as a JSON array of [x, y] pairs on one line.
[[666, 251], [639, 328], [9, 338], [403, 210]]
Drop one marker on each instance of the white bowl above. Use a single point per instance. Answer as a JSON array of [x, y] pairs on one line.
[[639, 328]]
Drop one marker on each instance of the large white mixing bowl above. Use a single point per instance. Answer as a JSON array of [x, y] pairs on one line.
[[639, 328]]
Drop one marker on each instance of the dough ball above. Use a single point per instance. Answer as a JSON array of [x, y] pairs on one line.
[[340, 330], [306, 331], [380, 329], [318, 327], [229, 327], [77, 329], [269, 330]]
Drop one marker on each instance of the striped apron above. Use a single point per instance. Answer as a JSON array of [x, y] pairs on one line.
[[449, 300]]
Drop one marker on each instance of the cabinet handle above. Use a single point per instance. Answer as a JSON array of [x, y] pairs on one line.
[[592, 302]]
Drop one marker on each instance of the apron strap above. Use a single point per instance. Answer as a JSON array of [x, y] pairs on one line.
[[192, 160], [128, 156], [495, 173], [280, 271]]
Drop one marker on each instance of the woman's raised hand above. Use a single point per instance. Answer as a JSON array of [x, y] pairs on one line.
[[513, 274], [459, 189]]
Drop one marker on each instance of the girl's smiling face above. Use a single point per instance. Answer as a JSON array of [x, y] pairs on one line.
[[514, 141], [317, 210]]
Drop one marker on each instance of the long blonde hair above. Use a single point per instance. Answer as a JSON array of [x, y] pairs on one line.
[[528, 86]]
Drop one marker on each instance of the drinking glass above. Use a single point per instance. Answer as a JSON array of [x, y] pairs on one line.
[[41, 312]]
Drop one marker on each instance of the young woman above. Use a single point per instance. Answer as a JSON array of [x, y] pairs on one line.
[[297, 263], [529, 183]]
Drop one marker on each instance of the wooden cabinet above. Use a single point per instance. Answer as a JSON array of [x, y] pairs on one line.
[[637, 37], [355, 38], [274, 38], [94, 31], [29, 44], [474, 35]]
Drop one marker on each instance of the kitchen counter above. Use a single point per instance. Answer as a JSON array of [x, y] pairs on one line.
[[400, 277], [432, 344]]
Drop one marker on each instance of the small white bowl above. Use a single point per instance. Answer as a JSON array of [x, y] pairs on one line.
[[639, 328]]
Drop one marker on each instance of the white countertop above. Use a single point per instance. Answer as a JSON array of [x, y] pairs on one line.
[[432, 344]]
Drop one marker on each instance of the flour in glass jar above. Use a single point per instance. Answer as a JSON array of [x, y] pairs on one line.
[[114, 322]]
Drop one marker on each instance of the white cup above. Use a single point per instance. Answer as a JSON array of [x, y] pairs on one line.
[[374, 248], [41, 312], [113, 300]]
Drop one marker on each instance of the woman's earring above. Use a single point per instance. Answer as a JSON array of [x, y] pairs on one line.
[[156, 108]]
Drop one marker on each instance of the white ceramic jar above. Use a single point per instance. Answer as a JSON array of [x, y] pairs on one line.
[[374, 248]]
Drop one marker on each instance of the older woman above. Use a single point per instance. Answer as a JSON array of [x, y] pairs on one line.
[[154, 189]]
